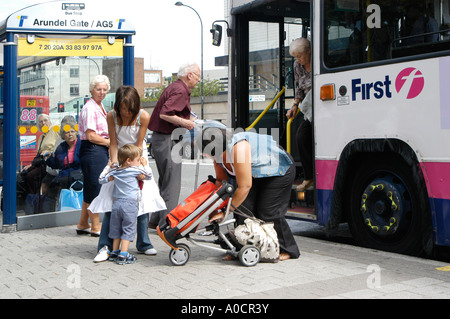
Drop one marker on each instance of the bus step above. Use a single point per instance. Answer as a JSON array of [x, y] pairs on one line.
[[298, 212]]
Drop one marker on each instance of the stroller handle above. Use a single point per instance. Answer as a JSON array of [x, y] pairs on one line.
[[225, 191]]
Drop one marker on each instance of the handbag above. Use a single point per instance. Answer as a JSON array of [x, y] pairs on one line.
[[260, 234], [70, 199], [75, 175]]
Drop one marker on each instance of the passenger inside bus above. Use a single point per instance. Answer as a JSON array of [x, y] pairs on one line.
[[416, 25], [402, 29], [355, 40]]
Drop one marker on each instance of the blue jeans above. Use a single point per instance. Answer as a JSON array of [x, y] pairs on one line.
[[142, 242]]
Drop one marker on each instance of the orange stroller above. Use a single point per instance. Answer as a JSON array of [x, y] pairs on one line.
[[189, 214]]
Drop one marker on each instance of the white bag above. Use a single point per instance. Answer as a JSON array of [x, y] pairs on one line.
[[262, 235]]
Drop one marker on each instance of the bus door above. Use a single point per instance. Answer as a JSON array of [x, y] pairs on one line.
[[264, 79], [261, 44]]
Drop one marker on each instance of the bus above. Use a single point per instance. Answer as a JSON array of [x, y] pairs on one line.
[[381, 110], [31, 106]]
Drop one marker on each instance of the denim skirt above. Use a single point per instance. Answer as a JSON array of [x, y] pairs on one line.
[[93, 159]]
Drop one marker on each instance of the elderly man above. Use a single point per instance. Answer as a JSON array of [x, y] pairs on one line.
[[172, 111]]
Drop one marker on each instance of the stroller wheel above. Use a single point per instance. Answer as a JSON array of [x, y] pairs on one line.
[[249, 255], [180, 256]]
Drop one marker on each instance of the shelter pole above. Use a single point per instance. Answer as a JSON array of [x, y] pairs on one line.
[[11, 94], [128, 61]]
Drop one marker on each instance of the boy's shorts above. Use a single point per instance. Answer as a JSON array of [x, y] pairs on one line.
[[123, 219]]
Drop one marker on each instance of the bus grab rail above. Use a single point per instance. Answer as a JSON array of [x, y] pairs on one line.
[[288, 132], [266, 109]]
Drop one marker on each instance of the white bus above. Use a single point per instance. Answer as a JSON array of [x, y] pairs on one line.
[[381, 110]]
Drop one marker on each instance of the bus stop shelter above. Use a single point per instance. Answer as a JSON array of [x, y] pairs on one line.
[[52, 51]]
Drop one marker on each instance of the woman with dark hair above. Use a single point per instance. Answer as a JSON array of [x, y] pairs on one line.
[[263, 173], [127, 124]]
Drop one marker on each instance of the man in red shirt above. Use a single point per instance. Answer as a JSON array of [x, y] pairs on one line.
[[172, 111]]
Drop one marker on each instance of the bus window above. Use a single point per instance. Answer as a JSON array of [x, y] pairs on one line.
[[264, 69], [358, 34]]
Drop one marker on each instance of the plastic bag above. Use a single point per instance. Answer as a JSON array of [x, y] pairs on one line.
[[70, 199]]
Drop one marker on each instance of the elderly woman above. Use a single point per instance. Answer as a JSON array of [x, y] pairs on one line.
[[94, 151], [66, 160], [300, 49], [263, 172]]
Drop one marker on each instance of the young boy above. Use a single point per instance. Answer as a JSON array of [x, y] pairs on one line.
[[126, 194]]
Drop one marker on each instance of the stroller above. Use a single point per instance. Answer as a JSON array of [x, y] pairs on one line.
[[187, 216]]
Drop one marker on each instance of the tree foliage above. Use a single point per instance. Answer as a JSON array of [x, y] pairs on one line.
[[210, 88]]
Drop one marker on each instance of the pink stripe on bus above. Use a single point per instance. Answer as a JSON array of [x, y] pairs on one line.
[[437, 178], [325, 174]]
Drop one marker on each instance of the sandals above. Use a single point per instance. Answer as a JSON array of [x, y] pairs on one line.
[[126, 259], [85, 231]]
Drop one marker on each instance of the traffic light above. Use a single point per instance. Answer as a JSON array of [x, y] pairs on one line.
[[60, 107]]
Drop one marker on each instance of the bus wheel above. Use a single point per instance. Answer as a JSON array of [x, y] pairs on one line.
[[387, 208]]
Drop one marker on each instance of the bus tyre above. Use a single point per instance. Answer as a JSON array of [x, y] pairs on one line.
[[388, 207]]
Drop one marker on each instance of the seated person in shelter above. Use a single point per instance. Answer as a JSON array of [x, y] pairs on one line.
[[66, 160], [35, 173]]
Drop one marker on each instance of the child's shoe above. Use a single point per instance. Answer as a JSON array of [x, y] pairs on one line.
[[126, 259], [113, 255]]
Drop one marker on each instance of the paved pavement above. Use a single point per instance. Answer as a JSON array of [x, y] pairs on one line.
[[57, 263]]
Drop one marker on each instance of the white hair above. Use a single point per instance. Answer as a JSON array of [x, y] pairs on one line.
[[186, 68], [43, 115], [300, 45], [99, 79]]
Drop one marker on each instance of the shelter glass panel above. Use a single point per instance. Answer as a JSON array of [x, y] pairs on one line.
[[54, 79]]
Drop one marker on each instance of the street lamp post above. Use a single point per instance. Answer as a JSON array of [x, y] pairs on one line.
[[179, 4]]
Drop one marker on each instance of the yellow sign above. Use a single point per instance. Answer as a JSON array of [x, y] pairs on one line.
[[70, 47], [31, 102]]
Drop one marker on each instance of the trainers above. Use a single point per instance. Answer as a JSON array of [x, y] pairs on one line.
[[150, 251], [102, 255], [128, 259]]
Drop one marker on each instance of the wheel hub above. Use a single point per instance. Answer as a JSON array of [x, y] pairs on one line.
[[382, 206]]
